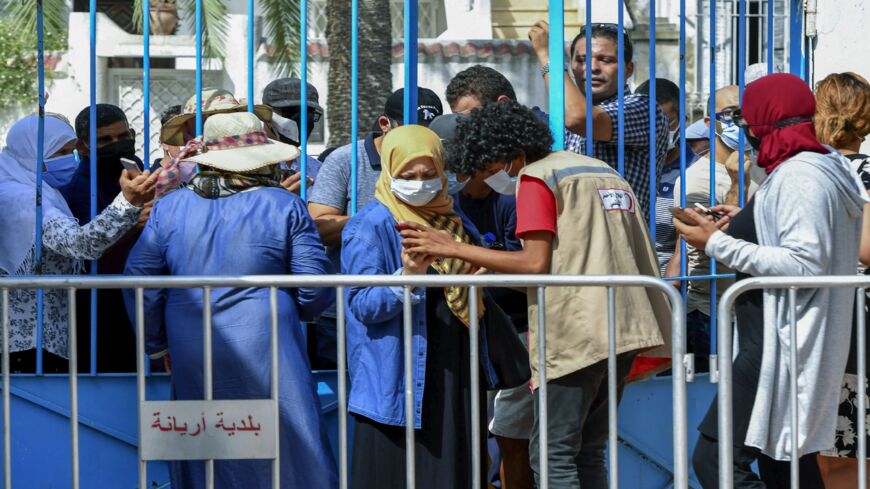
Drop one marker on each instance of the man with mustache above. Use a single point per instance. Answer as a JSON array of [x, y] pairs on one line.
[[605, 85]]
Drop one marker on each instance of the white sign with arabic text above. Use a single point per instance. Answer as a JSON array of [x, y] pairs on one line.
[[201, 430]]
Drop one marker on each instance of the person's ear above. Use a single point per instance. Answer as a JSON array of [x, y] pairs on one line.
[[132, 133], [385, 124], [629, 70], [81, 147], [707, 120], [502, 98]]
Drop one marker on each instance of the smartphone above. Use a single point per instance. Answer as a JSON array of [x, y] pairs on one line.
[[708, 211], [287, 173], [131, 167], [682, 216]]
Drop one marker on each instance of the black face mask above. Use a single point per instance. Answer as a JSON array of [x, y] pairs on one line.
[[112, 153], [753, 141]]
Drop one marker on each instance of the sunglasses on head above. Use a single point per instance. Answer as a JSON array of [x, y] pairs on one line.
[[735, 115]]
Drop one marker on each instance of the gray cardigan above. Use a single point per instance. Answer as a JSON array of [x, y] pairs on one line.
[[808, 218]]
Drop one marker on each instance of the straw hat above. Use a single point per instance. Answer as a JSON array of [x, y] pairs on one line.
[[214, 101], [236, 142]]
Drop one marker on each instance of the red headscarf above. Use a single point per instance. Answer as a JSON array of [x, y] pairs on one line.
[[778, 98]]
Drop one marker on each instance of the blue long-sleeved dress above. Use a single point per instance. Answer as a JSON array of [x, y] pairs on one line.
[[265, 231]]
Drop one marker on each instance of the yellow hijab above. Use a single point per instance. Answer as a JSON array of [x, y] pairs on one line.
[[401, 146]]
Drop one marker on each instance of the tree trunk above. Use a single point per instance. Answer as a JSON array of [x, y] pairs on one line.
[[375, 78]]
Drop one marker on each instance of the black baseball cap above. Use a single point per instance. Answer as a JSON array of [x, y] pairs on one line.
[[286, 92], [428, 106]]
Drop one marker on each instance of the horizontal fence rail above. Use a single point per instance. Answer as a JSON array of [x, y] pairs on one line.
[[791, 285], [536, 283]]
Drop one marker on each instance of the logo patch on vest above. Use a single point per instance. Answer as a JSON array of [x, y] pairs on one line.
[[616, 199]]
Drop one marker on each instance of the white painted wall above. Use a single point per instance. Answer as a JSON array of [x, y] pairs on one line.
[[842, 40]]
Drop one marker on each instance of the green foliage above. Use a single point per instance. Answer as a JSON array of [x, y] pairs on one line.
[[22, 15], [18, 83], [282, 26]]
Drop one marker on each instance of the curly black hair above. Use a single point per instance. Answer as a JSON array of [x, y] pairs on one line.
[[497, 133], [483, 83]]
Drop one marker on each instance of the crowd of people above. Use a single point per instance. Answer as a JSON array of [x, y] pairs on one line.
[[477, 190]]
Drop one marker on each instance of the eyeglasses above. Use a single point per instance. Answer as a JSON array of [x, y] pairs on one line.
[[734, 115]]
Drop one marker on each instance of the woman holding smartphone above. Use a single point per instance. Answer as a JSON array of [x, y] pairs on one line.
[[805, 219]]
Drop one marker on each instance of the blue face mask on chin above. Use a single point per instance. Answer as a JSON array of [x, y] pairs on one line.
[[59, 171], [454, 186]]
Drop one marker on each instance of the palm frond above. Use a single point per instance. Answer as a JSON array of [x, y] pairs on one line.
[[55, 19], [282, 24], [214, 25]]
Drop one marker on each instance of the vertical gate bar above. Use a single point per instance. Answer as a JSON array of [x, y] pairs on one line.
[[795, 37], [72, 352], [146, 83], [557, 78], [410, 99], [713, 124], [92, 160], [861, 337], [590, 149], [341, 351], [275, 392], [140, 377], [408, 338], [680, 409], [726, 422], [771, 10], [620, 91], [354, 100], [40, 161], [613, 442], [474, 348], [543, 439], [7, 419], [251, 56], [653, 191], [207, 369], [793, 386], [303, 95], [198, 27], [741, 84]]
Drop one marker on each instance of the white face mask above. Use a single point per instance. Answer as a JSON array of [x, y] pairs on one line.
[[415, 193], [502, 183], [673, 138], [454, 186], [286, 127]]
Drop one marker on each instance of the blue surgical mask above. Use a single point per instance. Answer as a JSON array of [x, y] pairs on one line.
[[454, 186], [59, 171], [730, 134]]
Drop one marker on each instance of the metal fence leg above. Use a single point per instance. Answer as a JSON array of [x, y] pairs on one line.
[[544, 469], [207, 369], [473, 341], [73, 387], [612, 399], [725, 421], [273, 333], [410, 472], [341, 350], [140, 377], [679, 379], [860, 317], [7, 423], [793, 367]]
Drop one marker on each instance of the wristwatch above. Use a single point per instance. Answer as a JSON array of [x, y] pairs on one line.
[[545, 69]]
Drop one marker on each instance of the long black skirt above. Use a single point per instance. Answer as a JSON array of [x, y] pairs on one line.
[[443, 445]]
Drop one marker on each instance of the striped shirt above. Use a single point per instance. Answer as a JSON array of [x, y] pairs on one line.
[[636, 133]]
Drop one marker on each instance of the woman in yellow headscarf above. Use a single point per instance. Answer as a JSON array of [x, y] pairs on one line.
[[412, 187]]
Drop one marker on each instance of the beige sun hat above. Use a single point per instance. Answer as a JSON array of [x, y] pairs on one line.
[[214, 101], [236, 142]]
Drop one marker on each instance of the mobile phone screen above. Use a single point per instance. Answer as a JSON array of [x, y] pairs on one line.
[[131, 167]]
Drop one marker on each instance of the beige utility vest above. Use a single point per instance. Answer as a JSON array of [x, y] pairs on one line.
[[600, 230]]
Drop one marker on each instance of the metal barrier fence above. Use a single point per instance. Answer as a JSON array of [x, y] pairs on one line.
[[149, 449], [725, 408]]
